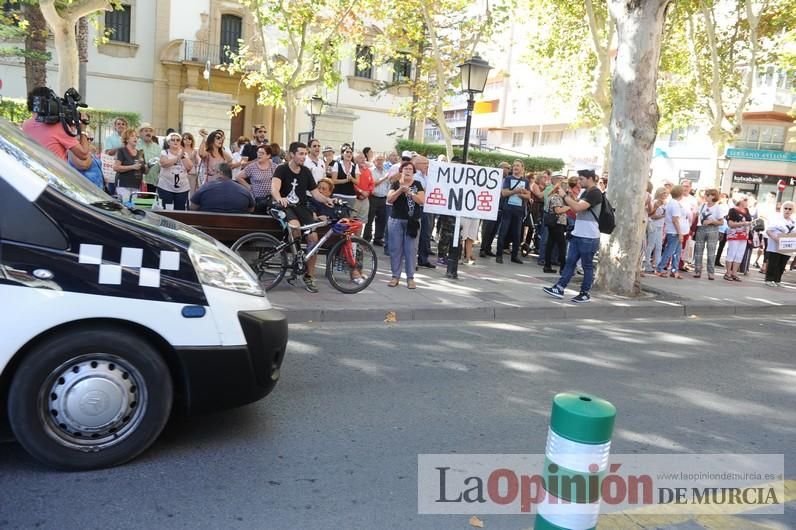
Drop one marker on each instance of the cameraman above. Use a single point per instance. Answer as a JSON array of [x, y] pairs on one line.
[[53, 136]]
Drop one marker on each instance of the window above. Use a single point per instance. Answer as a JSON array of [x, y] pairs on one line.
[[552, 137], [363, 65], [765, 137], [401, 69], [231, 28], [516, 139], [117, 23], [535, 139]]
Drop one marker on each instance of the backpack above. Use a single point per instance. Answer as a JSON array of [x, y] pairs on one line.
[[607, 220]]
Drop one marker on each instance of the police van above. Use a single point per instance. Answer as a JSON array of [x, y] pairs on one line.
[[111, 317]]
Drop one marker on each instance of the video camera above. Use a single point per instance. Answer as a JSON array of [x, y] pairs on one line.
[[52, 109]]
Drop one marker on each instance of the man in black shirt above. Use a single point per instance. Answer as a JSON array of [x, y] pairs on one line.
[[289, 188], [250, 150]]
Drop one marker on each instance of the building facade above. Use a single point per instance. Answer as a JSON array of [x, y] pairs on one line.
[[162, 61]]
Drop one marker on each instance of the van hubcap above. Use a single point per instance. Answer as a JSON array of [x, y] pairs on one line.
[[93, 402]]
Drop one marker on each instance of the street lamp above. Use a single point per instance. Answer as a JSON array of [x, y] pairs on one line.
[[474, 73], [315, 109], [723, 163]]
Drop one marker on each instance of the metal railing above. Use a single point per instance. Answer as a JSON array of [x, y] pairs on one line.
[[200, 52]]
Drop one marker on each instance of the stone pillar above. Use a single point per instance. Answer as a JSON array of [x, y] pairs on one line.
[[335, 127], [208, 110]]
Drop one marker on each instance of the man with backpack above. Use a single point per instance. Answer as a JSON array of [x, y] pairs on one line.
[[585, 241]]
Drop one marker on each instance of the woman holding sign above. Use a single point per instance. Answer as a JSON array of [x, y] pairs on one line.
[[779, 232], [406, 197]]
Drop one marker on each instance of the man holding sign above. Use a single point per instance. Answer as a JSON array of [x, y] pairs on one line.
[[781, 244]]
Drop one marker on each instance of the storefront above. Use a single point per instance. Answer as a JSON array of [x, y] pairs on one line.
[[758, 172], [759, 185]]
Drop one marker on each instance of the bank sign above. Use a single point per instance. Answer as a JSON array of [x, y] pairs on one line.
[[462, 190], [758, 154]]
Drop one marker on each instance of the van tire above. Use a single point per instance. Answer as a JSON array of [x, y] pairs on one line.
[[90, 398]]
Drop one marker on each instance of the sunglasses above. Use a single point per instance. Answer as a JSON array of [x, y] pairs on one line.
[[787, 208]]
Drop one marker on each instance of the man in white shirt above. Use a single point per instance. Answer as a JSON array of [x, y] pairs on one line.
[[314, 161], [378, 201]]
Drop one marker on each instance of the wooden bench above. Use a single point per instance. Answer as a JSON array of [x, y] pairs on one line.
[[229, 227]]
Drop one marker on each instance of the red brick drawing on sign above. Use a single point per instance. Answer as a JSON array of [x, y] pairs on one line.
[[484, 201], [436, 198]]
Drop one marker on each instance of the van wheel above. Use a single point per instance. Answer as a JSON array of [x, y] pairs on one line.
[[90, 398]]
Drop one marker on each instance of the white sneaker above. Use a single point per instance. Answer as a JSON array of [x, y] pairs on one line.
[[770, 284], [778, 284]]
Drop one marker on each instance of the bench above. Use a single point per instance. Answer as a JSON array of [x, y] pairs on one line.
[[229, 227]]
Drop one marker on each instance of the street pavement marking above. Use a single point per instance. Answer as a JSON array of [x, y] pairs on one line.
[[638, 518]]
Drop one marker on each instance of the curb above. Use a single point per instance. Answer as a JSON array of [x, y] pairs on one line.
[[534, 313]]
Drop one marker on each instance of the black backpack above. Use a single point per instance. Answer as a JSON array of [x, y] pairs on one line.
[[607, 220]]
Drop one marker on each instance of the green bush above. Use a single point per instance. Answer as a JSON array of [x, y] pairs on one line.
[[482, 158]]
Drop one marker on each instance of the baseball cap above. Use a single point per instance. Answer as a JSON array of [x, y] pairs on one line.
[[327, 149], [406, 154]]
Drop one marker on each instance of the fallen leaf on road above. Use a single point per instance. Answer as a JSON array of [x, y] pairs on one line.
[[391, 317], [476, 522]]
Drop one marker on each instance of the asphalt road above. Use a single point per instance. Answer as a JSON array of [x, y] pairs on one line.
[[336, 444]]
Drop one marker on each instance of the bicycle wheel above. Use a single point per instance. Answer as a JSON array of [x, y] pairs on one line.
[[266, 257], [351, 265]]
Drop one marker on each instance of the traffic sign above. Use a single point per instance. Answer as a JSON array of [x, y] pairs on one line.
[[781, 185]]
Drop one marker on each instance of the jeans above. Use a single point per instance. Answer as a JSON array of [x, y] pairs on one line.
[[705, 236], [387, 213], [179, 200], [652, 253], [511, 226], [671, 249], [377, 212], [556, 238], [543, 233], [424, 247], [489, 232], [403, 249], [583, 249]]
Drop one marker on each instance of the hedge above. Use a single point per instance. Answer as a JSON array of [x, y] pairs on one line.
[[482, 158], [16, 111]]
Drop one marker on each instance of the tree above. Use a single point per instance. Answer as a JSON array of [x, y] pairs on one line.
[[570, 43], [437, 37], [62, 17], [24, 21], [633, 128], [712, 52], [298, 47]]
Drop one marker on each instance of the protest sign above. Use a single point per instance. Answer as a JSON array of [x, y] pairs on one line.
[[463, 190]]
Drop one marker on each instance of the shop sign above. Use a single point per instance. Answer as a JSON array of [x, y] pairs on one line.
[[757, 178], [759, 154]]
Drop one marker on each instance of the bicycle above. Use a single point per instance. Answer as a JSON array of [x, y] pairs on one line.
[[351, 264]]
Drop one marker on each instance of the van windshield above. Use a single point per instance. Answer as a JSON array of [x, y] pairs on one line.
[[22, 159]]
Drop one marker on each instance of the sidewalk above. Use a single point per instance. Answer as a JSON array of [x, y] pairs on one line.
[[511, 292]]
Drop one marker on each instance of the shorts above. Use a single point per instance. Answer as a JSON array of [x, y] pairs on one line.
[[736, 250], [300, 213]]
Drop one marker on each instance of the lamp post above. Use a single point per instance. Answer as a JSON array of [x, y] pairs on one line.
[[723, 163], [474, 74], [315, 109]]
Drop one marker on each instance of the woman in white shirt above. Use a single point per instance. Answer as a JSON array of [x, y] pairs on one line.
[[709, 219], [778, 258], [655, 215]]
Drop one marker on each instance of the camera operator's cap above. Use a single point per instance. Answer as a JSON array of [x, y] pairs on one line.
[[327, 149], [406, 154], [145, 125]]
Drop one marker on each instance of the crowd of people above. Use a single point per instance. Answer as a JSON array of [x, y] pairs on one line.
[[541, 213]]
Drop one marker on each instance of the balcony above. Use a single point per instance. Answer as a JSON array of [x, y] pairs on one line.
[[200, 52]]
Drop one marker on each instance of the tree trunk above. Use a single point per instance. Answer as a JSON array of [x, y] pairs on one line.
[[290, 118], [36, 43], [82, 50], [634, 125]]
